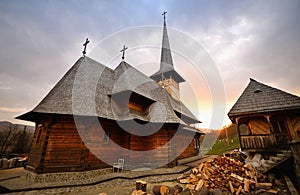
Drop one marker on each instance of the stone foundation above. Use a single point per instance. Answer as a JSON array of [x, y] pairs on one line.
[[64, 176]]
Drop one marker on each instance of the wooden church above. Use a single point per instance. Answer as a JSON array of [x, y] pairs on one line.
[[95, 115]]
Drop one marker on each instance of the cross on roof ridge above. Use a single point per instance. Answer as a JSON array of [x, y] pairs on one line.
[[85, 45], [123, 50]]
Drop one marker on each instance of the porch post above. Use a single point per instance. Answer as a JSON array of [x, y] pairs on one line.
[[238, 129], [269, 123]]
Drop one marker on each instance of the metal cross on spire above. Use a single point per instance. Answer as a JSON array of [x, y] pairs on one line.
[[164, 14], [123, 50], [85, 44]]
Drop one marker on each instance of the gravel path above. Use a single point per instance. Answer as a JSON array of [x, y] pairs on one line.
[[120, 184]]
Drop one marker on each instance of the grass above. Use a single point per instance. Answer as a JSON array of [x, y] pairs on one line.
[[222, 146]]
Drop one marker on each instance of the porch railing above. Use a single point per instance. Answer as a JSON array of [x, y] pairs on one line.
[[258, 141]]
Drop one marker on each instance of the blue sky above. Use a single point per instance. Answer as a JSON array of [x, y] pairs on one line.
[[41, 40]]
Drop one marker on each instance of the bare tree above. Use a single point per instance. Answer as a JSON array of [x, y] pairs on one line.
[[22, 142], [7, 139]]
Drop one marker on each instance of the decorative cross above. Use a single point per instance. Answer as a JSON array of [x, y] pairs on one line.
[[85, 44], [164, 14], [123, 50]]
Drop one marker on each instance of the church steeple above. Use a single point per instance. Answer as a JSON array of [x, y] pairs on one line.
[[166, 56], [166, 75]]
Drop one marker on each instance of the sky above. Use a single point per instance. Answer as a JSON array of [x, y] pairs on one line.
[[41, 40]]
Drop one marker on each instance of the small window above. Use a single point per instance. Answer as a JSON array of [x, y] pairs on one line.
[[244, 129], [257, 91]]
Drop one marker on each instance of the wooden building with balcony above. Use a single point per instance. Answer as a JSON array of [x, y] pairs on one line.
[[268, 119]]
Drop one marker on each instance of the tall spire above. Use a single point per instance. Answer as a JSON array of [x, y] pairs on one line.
[[166, 62], [166, 56]]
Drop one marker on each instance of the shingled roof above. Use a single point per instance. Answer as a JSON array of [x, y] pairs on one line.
[[87, 90], [260, 98]]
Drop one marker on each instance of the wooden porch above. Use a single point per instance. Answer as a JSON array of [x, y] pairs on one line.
[[262, 142]]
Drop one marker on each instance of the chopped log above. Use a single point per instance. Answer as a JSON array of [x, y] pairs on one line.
[[272, 191], [204, 176], [138, 192], [207, 173], [161, 190], [199, 185], [184, 181], [192, 176], [141, 185], [239, 190], [195, 171], [237, 177], [231, 187], [200, 167], [247, 185], [194, 180], [263, 185], [227, 175], [177, 189]]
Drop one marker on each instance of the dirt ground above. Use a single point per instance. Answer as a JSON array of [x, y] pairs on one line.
[[120, 190]]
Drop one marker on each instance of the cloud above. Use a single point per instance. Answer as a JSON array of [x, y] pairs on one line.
[[15, 110], [42, 39]]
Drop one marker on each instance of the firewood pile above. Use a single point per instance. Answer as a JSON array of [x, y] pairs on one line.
[[236, 155], [226, 175]]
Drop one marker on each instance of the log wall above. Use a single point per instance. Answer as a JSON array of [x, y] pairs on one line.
[[58, 145], [294, 126], [259, 126]]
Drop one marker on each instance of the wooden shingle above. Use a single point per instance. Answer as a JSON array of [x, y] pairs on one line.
[[260, 98]]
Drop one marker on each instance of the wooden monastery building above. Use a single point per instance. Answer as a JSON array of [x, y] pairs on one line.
[[267, 118], [268, 123], [96, 115]]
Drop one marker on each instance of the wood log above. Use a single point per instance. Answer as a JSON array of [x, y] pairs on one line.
[[204, 176], [237, 177], [138, 192], [177, 189], [247, 185], [272, 191], [195, 171], [161, 190], [200, 167], [184, 181], [263, 185], [231, 187], [239, 190], [199, 185], [207, 172]]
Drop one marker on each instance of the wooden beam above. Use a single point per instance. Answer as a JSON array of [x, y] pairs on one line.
[[290, 185]]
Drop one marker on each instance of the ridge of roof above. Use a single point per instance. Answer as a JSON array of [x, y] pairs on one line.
[[260, 98]]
